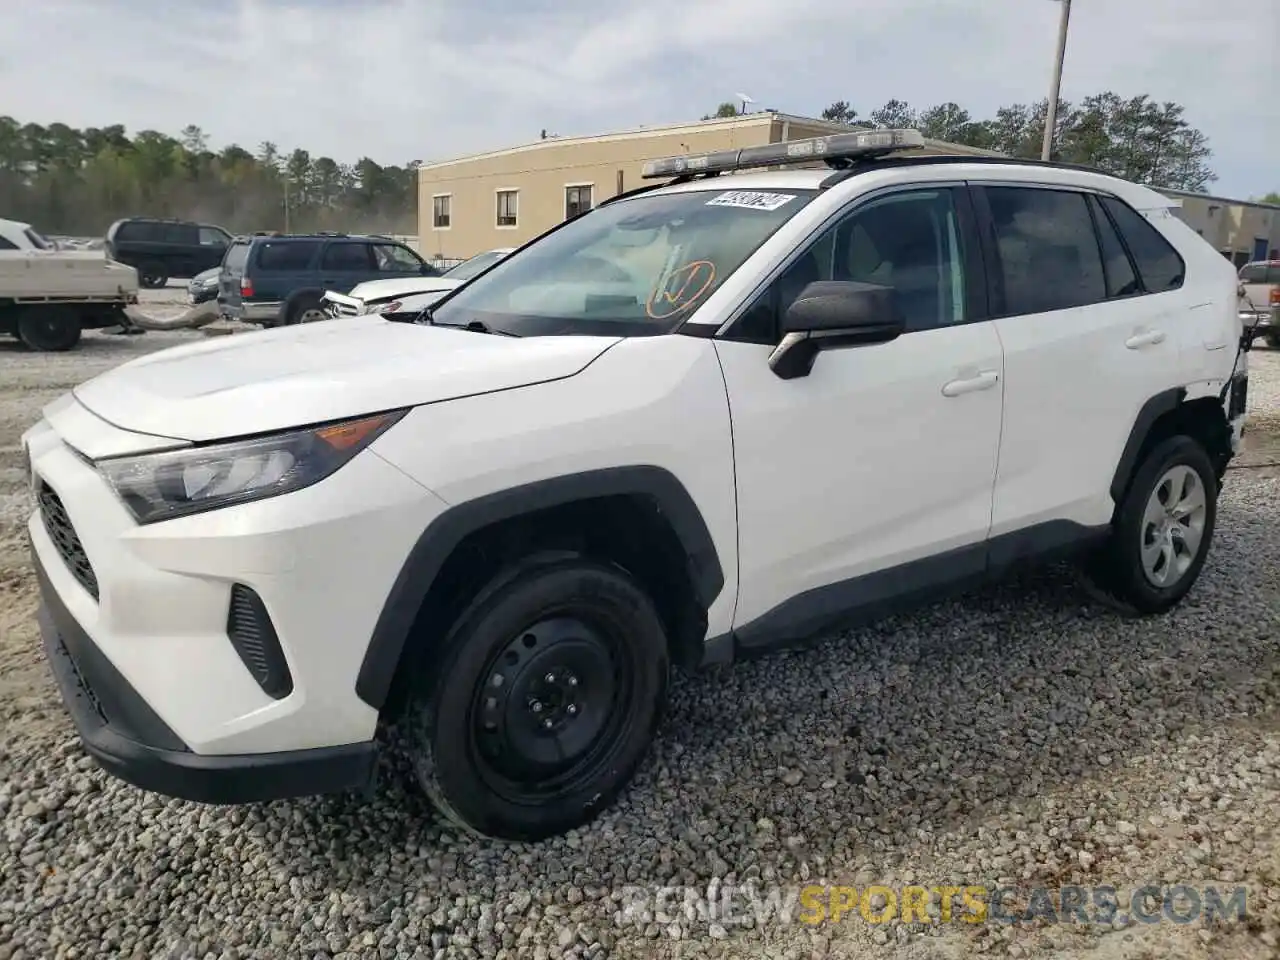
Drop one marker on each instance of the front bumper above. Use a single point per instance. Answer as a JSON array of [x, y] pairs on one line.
[[129, 741], [146, 615]]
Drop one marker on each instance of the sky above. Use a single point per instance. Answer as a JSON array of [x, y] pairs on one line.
[[404, 80]]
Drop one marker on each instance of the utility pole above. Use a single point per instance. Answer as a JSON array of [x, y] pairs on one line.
[[1055, 88]]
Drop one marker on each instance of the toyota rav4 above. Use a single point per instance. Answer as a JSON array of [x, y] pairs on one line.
[[723, 412]]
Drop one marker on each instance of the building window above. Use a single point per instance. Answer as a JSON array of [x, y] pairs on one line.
[[441, 211], [508, 207], [577, 199]]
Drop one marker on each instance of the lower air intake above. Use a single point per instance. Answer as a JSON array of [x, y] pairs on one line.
[[251, 632]]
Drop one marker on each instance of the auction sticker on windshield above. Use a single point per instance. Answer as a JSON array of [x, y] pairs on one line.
[[751, 200]]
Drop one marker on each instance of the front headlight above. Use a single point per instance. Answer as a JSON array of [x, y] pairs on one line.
[[161, 486]]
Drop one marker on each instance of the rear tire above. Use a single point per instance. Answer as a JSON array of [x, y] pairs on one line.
[[153, 276], [306, 309], [49, 329], [543, 701], [1162, 531]]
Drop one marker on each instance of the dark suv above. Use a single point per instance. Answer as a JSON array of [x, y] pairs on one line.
[[273, 280], [160, 249]]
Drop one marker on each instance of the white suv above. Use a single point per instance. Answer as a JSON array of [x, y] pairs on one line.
[[713, 415]]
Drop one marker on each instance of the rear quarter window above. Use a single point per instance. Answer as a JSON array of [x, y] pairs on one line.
[[1159, 264], [136, 230], [280, 256]]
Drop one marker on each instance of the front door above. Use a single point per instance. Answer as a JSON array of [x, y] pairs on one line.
[[883, 455]]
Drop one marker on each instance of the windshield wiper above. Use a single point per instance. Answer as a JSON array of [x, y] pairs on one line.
[[475, 326]]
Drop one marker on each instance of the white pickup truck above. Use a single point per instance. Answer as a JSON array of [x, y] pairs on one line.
[[1260, 299], [48, 296]]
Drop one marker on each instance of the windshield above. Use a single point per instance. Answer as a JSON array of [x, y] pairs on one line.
[[635, 267], [37, 241], [235, 256], [469, 268]]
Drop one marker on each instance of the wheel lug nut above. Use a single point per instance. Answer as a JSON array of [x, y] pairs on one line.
[[571, 709], [548, 723], [550, 678], [572, 681], [536, 706]]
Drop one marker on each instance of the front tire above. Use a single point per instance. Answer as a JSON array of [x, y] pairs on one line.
[[1162, 531], [1273, 339], [543, 702]]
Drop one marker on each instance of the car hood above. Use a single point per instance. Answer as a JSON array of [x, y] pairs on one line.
[[400, 286], [291, 376]]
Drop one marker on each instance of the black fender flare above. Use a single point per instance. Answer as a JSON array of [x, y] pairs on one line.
[[438, 541], [1166, 401]]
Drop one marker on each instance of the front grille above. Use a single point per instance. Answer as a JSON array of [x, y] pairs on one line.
[[58, 525], [251, 632]]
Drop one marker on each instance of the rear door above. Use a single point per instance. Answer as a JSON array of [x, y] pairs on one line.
[[346, 263], [182, 249], [1086, 344], [279, 266]]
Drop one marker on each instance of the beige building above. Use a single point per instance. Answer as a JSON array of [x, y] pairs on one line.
[[1242, 230], [504, 198]]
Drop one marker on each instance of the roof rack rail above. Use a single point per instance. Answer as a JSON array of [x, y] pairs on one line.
[[839, 151], [884, 163]]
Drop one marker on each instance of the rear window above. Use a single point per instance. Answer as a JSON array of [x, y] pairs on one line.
[[1260, 273], [1159, 265], [237, 254], [278, 256]]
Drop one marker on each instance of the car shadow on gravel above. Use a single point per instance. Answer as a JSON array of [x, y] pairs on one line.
[[857, 751]]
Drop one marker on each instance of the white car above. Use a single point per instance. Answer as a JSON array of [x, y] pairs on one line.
[[369, 296], [828, 393]]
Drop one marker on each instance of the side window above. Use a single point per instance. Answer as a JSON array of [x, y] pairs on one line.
[[212, 237], [1159, 265], [347, 256], [1049, 257], [6, 244], [137, 230], [909, 241], [1117, 268], [180, 233], [393, 258], [287, 256]]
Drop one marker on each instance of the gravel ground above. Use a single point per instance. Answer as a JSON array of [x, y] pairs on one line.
[[1021, 736]]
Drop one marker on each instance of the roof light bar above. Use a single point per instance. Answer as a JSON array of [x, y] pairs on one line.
[[837, 150]]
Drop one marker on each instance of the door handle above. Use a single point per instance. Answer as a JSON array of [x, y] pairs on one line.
[[983, 381], [1146, 338]]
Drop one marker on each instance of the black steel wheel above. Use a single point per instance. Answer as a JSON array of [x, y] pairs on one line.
[[544, 701]]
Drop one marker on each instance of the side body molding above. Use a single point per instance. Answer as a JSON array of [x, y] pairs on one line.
[[448, 530]]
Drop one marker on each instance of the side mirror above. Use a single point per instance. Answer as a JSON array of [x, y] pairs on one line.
[[834, 313]]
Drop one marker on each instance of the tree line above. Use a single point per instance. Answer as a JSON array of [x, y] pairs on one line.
[[76, 182], [1137, 138]]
